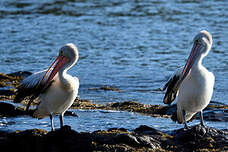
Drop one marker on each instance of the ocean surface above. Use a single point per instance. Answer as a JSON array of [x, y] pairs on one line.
[[127, 44]]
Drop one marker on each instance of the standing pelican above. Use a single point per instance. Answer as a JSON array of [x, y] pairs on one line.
[[193, 84], [57, 89]]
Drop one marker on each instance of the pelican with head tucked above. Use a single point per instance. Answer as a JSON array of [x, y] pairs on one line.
[[57, 89], [192, 84]]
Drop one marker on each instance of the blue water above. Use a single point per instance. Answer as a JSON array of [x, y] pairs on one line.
[[132, 45], [91, 120]]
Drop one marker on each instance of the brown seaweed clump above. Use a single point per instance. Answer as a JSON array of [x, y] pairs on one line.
[[9, 82]]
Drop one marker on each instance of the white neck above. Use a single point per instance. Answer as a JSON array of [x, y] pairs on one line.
[[197, 66], [63, 76]]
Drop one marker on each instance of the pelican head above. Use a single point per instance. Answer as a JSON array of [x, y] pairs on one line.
[[70, 52], [201, 46], [204, 39], [68, 56]]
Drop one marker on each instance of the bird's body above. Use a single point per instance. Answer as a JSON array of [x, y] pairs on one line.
[[195, 92], [56, 89], [58, 97], [193, 84]]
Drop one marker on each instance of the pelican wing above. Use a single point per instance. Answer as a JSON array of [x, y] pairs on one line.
[[31, 86], [172, 87]]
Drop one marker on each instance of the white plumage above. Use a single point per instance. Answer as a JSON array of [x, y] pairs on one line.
[[195, 92], [57, 89], [192, 84], [58, 98]]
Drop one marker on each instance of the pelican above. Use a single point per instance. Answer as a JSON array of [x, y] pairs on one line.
[[56, 89], [192, 84]]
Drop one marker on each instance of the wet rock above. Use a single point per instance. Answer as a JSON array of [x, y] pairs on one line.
[[200, 137], [7, 80], [85, 104], [143, 129], [118, 129], [70, 113], [143, 138], [106, 88], [64, 139], [9, 110], [121, 139], [4, 76], [125, 104], [6, 92], [127, 139], [216, 115], [132, 106]]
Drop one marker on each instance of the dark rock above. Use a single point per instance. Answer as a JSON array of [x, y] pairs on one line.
[[126, 103], [127, 139], [143, 129], [148, 141], [120, 129], [216, 115], [123, 129], [70, 113], [65, 139], [200, 137], [4, 92], [3, 76], [9, 110], [106, 88]]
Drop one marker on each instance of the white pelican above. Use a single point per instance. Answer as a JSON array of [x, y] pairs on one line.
[[57, 89], [193, 84]]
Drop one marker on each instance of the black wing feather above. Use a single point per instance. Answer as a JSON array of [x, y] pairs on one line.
[[172, 87]]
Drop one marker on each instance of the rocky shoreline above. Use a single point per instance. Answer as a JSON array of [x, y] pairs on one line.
[[143, 138]]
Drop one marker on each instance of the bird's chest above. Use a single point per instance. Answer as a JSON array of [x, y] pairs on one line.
[[195, 91], [58, 94], [57, 99]]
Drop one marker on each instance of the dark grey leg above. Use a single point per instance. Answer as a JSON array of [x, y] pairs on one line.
[[52, 123], [201, 119], [61, 120], [185, 123], [29, 103]]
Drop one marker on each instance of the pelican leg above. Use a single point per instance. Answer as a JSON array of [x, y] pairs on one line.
[[185, 122], [52, 123], [30, 101], [61, 120], [28, 105], [201, 119]]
